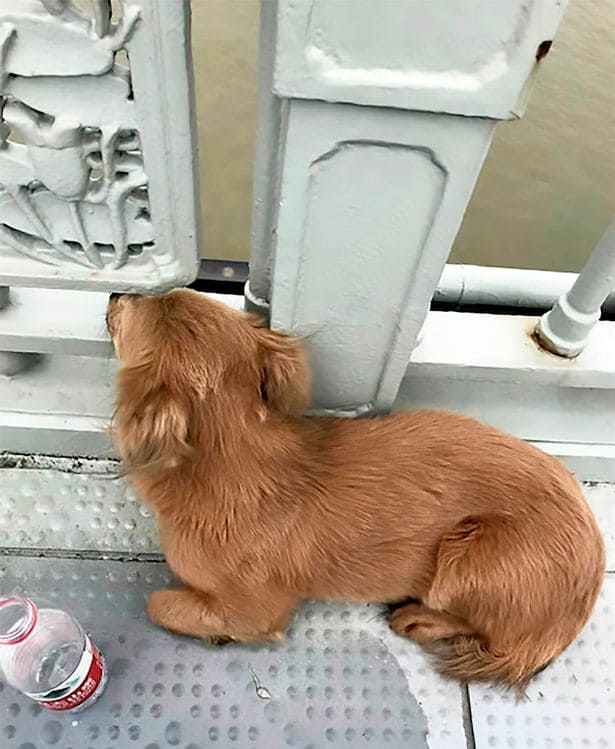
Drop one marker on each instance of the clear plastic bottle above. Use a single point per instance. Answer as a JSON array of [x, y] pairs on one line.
[[46, 655]]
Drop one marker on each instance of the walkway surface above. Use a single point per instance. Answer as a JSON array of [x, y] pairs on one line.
[[80, 539]]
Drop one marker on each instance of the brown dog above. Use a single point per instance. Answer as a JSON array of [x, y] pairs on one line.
[[259, 507]]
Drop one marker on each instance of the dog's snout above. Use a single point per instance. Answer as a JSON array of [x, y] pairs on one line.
[[113, 309]]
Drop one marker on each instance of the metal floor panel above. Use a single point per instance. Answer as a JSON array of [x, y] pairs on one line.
[[45, 509], [341, 680]]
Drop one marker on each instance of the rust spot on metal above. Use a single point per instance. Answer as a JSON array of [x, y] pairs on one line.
[[543, 346], [543, 49]]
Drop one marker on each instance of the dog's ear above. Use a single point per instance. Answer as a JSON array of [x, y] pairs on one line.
[[285, 375], [151, 422]]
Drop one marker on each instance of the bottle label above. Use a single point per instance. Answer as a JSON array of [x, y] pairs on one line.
[[79, 687]]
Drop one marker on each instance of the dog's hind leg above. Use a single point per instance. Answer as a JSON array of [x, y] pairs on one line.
[[486, 615], [425, 625]]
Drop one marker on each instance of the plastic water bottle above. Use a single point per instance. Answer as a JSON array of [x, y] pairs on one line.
[[46, 655]]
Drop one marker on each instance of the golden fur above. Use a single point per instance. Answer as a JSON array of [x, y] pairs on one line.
[[484, 543]]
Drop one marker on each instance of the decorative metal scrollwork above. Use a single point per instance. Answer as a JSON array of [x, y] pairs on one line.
[[73, 187]]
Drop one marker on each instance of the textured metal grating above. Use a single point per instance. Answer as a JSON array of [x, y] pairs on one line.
[[341, 680]]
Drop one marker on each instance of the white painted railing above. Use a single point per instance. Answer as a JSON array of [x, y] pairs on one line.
[[469, 286], [97, 192], [372, 134], [376, 116]]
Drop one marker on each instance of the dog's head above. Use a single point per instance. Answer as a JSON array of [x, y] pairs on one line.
[[192, 367]]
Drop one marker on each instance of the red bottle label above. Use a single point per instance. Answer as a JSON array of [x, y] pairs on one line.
[[81, 685]]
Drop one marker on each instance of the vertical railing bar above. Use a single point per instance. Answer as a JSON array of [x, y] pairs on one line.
[[565, 329], [266, 169]]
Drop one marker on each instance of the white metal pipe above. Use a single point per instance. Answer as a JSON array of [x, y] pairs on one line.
[[479, 285], [566, 327]]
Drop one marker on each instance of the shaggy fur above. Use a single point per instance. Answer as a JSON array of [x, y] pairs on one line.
[[486, 542]]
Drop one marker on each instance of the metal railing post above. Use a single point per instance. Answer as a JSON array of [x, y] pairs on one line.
[[565, 329], [375, 120]]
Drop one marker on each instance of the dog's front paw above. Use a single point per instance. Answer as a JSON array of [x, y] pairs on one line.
[[162, 607]]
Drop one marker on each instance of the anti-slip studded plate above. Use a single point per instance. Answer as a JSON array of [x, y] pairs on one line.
[[45, 509], [340, 680]]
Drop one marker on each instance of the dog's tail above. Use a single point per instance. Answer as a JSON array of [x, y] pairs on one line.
[[512, 625], [467, 658]]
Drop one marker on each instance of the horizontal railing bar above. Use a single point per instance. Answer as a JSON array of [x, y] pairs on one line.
[[522, 288], [501, 348], [50, 321], [65, 407], [72, 322], [221, 276]]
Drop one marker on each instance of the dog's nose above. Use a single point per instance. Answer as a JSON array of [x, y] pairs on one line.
[[114, 295]]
